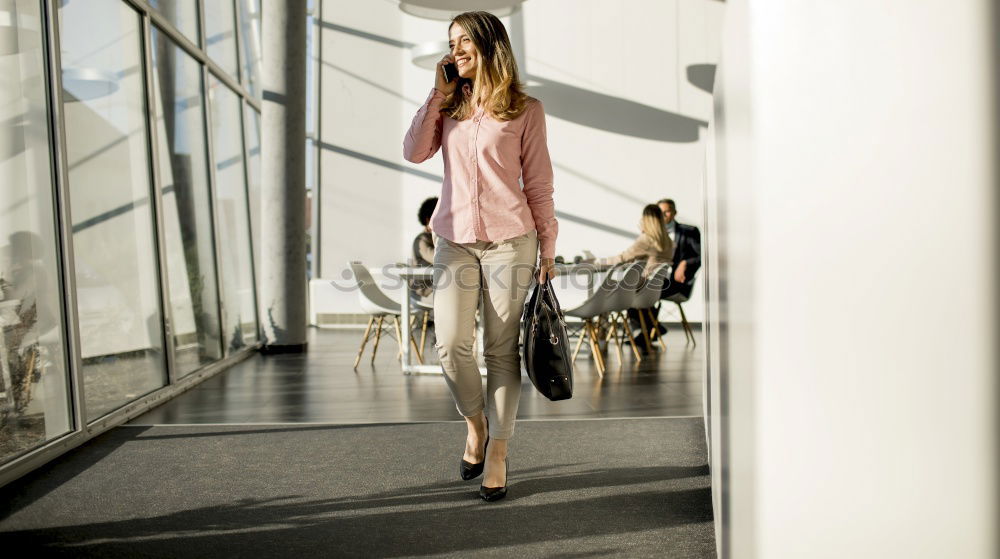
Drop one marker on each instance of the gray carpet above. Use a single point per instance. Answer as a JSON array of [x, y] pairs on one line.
[[636, 488]]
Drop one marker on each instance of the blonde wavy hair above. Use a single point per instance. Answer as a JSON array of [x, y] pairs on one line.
[[651, 224], [496, 83]]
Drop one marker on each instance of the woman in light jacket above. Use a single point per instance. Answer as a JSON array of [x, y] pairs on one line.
[[653, 244], [492, 238]]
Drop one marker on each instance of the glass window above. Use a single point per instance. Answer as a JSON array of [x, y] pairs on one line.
[[220, 34], [249, 11], [253, 178], [34, 397], [187, 209], [312, 163], [118, 295], [182, 13], [239, 308]]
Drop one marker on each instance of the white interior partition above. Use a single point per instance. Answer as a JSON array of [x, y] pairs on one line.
[[854, 280]]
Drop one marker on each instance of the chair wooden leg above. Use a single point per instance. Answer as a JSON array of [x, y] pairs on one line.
[[423, 334], [413, 341], [645, 331], [613, 334], [399, 338], [416, 350], [596, 349], [364, 341], [378, 335], [656, 328], [631, 339], [687, 327], [579, 344]]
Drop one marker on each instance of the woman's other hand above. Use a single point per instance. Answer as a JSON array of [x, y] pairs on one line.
[[439, 84], [546, 269]]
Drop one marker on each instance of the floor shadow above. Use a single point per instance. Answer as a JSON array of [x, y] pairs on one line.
[[417, 524]]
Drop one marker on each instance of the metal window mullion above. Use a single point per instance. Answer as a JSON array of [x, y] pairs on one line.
[[63, 217], [167, 28], [232, 83], [195, 49], [238, 34], [202, 32], [214, 210], [156, 197], [318, 142], [246, 196]]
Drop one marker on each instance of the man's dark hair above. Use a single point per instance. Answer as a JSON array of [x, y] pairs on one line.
[[426, 210], [673, 206]]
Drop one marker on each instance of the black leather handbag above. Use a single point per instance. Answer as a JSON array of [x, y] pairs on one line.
[[546, 347]]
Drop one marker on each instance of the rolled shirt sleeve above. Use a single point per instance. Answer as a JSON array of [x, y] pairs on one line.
[[536, 174], [423, 138]]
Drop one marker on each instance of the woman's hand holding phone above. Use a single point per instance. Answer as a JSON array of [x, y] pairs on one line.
[[440, 84]]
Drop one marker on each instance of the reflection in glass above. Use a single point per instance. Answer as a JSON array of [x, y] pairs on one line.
[[220, 34], [252, 120], [34, 400], [187, 225], [240, 313], [249, 12], [109, 180], [182, 13]]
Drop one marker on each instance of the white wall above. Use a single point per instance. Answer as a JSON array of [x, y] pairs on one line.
[[360, 81], [625, 125], [853, 346]]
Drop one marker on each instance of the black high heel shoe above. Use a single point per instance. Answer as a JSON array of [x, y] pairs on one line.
[[470, 470], [490, 494]]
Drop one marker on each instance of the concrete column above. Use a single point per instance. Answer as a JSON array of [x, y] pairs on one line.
[[283, 197]]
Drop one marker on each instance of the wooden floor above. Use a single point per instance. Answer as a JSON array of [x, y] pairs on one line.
[[321, 387]]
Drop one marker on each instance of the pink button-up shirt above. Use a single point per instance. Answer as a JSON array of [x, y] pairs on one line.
[[483, 159]]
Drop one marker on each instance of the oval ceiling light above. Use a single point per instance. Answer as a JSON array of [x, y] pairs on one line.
[[426, 55], [444, 10]]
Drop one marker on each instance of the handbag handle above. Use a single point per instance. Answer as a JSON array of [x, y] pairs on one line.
[[554, 303]]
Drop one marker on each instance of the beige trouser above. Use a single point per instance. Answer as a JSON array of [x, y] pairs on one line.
[[501, 273]]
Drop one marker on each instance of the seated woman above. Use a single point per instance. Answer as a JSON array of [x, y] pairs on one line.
[[653, 245]]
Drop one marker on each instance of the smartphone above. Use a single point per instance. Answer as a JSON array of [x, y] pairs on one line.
[[450, 72]]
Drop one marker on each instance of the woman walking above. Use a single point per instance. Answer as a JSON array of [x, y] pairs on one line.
[[489, 232]]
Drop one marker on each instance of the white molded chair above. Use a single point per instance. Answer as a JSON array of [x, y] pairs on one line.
[[379, 305], [618, 301], [611, 293], [646, 297]]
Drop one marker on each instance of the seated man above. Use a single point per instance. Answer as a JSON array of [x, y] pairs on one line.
[[686, 259], [687, 254], [423, 247]]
